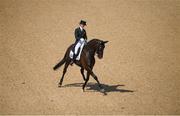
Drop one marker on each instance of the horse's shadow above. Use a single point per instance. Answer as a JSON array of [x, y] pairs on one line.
[[94, 87]]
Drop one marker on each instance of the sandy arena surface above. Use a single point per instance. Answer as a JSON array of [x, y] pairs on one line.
[[140, 69]]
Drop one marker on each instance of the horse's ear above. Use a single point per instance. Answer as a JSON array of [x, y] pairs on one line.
[[105, 42]]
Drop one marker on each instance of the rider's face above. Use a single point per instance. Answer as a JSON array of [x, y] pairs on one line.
[[82, 25]]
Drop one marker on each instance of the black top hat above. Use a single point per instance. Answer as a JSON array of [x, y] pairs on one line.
[[82, 22]]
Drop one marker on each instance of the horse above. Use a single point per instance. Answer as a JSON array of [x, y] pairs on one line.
[[86, 62]]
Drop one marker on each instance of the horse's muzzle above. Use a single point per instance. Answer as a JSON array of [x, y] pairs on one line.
[[100, 56]]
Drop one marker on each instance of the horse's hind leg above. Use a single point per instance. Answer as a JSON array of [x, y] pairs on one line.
[[82, 73], [64, 72]]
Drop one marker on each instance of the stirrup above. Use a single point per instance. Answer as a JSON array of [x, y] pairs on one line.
[[71, 63], [73, 60]]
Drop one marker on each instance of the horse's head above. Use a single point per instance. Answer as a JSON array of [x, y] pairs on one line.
[[100, 48], [97, 46]]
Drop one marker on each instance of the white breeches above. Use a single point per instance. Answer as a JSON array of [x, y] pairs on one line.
[[80, 43]]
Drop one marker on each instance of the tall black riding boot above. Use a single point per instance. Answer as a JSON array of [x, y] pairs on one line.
[[74, 57]]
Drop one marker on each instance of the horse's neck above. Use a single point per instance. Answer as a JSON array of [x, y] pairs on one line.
[[91, 48]]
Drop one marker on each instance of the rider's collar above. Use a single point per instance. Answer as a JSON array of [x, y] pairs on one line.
[[81, 28]]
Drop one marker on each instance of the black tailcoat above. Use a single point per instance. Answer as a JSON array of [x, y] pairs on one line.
[[80, 34]]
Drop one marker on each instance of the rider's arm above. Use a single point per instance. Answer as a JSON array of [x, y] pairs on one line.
[[85, 35], [76, 34]]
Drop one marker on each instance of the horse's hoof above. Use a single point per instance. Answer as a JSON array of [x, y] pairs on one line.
[[59, 85], [83, 90]]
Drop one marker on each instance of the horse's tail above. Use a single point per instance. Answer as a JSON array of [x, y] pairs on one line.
[[60, 63], [64, 59]]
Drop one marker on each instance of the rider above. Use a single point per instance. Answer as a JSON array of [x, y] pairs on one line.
[[81, 37]]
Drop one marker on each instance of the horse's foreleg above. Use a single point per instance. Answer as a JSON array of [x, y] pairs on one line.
[[82, 73], [64, 72], [95, 77]]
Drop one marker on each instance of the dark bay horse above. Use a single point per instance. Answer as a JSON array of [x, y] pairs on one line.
[[86, 62]]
